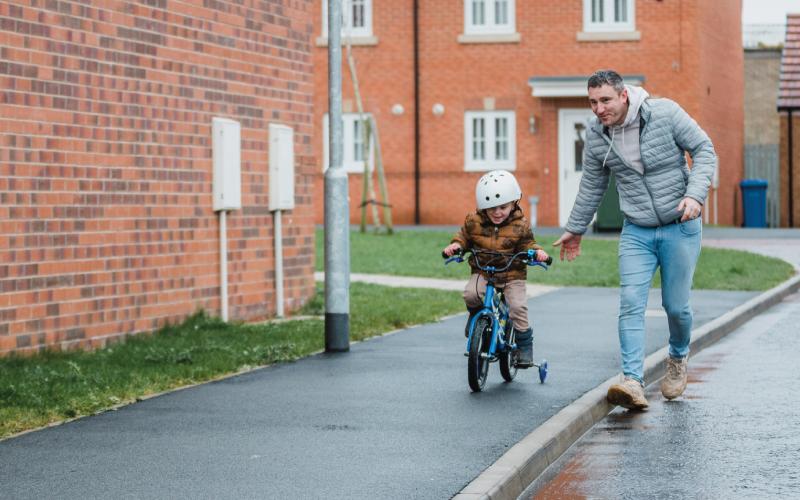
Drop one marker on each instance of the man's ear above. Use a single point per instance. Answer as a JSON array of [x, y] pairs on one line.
[[624, 95]]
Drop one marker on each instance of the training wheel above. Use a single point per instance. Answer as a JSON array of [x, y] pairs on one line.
[[542, 371]]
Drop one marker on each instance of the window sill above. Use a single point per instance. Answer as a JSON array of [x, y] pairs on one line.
[[608, 36], [487, 167], [322, 41], [490, 38]]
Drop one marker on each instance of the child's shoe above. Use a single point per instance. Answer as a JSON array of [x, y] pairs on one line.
[[628, 394], [674, 382], [524, 354]]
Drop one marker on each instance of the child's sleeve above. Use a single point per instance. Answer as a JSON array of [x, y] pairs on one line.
[[528, 242], [462, 236]]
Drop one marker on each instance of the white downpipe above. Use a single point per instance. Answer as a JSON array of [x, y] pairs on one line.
[[278, 264], [716, 197], [223, 265]]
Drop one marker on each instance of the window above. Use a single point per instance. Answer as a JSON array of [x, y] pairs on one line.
[[353, 136], [489, 17], [608, 15], [356, 18], [489, 140]]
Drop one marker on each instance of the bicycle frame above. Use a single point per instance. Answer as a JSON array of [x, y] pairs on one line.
[[499, 319]]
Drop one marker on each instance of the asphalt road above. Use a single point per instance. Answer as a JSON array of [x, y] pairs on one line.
[[733, 434], [393, 418]]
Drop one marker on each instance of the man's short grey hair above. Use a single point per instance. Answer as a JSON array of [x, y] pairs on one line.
[[607, 77]]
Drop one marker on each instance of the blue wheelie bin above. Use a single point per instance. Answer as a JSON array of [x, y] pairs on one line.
[[754, 202]]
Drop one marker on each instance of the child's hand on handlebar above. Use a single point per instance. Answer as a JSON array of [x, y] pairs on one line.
[[451, 249], [541, 256]]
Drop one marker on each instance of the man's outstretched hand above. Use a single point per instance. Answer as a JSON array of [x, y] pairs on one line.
[[570, 245]]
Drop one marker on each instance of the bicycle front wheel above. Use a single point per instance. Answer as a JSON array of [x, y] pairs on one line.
[[478, 360]]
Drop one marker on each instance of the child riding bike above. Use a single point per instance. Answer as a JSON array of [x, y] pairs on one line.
[[499, 225]]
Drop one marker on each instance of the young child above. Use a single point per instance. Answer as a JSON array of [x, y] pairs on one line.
[[500, 226]]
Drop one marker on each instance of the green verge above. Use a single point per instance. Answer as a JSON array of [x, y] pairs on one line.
[[53, 386], [418, 253]]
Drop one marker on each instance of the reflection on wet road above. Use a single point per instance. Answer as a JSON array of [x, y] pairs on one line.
[[734, 434]]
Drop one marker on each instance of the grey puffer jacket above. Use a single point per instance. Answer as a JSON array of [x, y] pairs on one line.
[[649, 199]]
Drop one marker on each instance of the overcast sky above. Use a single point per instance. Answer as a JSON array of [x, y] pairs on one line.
[[768, 11]]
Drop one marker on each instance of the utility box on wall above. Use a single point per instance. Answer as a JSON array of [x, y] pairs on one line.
[[227, 151], [281, 167]]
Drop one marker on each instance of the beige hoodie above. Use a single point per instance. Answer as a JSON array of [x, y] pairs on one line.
[[625, 137]]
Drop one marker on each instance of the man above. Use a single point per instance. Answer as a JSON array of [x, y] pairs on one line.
[[643, 142]]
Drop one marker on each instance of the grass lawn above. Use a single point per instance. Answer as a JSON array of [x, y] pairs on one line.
[[54, 386], [418, 253]]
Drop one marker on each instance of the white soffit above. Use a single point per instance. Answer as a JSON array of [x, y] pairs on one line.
[[569, 86]]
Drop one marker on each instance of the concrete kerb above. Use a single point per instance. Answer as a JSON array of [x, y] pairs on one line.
[[508, 477]]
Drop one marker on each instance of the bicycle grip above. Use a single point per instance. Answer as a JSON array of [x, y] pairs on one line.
[[549, 260]]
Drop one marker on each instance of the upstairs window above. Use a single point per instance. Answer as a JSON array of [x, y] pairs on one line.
[[353, 139], [608, 15], [356, 18], [489, 140], [489, 17]]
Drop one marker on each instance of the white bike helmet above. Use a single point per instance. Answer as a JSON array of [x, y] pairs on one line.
[[496, 188]]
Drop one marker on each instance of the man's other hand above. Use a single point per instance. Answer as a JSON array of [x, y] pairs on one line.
[[691, 208]]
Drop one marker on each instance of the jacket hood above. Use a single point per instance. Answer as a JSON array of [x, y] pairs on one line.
[[636, 96]]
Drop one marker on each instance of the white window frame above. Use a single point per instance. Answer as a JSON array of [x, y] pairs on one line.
[[490, 26], [349, 161], [347, 11], [490, 142], [608, 23]]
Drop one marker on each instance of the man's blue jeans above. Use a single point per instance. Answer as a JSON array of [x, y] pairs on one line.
[[674, 248]]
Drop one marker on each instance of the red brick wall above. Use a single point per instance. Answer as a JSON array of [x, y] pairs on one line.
[[105, 163], [673, 54], [718, 86]]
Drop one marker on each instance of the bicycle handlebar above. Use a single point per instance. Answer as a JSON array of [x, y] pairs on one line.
[[529, 255]]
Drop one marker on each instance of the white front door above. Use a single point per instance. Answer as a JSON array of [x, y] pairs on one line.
[[572, 125]]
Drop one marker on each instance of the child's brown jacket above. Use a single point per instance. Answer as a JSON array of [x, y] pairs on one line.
[[511, 236]]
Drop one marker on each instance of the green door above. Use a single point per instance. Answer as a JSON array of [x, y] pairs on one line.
[[609, 216]]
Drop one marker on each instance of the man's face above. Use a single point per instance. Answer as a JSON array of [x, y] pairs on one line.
[[609, 106]]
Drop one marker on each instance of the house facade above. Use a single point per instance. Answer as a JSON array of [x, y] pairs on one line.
[[107, 159], [459, 87]]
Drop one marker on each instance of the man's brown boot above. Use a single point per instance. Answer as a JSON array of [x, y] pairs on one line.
[[674, 382], [628, 394]]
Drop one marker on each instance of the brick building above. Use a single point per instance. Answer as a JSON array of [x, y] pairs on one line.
[[491, 84], [106, 163]]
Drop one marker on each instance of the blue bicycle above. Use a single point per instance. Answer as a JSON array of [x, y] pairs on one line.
[[491, 335]]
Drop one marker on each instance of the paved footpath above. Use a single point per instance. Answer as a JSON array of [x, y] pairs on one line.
[[393, 418]]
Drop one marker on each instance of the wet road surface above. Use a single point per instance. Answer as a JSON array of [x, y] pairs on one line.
[[734, 434]]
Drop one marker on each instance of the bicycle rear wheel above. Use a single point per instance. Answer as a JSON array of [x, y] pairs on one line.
[[478, 360], [507, 368]]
